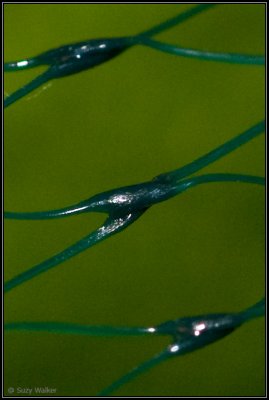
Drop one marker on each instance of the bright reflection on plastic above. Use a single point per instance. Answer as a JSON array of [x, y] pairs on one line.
[[22, 63], [174, 348], [200, 327]]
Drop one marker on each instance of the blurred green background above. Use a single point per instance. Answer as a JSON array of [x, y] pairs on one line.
[[124, 122]]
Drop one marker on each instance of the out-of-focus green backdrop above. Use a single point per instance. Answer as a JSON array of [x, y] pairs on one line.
[[124, 122]]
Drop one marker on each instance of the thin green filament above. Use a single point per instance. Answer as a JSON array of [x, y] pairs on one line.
[[30, 87], [76, 329], [256, 311], [110, 227], [89, 207], [231, 58], [178, 19], [135, 372], [217, 153]]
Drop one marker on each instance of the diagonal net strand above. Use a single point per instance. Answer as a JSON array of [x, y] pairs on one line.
[[110, 227], [215, 154], [230, 58]]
